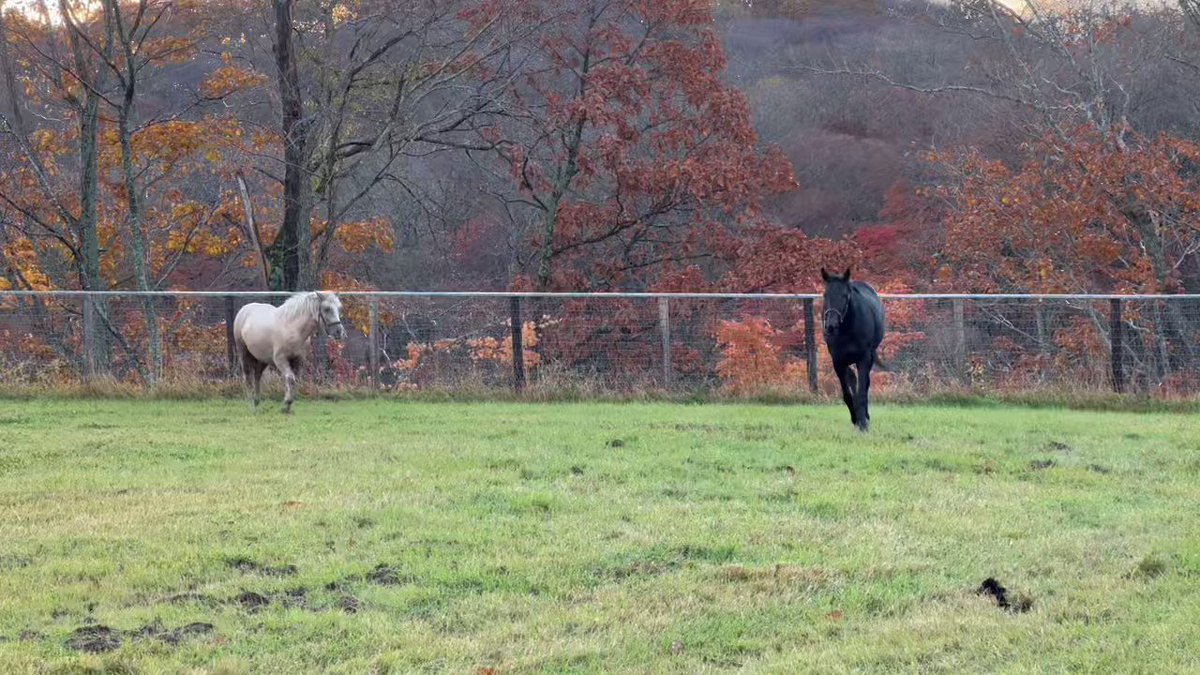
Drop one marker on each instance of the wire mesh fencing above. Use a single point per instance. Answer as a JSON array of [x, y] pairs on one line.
[[740, 344]]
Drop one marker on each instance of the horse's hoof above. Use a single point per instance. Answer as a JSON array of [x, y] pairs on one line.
[[287, 410]]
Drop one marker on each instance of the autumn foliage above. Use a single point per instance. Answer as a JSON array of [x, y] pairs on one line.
[[598, 145]]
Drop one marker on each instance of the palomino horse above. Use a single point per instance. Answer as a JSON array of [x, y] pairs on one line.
[[278, 336]]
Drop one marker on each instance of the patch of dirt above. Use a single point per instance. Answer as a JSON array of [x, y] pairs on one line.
[[1098, 468], [191, 630], [386, 576], [252, 601], [296, 597], [1040, 464], [248, 566], [576, 470], [94, 639], [1058, 446], [616, 443], [348, 604], [1017, 603], [31, 636]]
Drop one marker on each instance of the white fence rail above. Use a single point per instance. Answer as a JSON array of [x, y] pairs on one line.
[[621, 341]]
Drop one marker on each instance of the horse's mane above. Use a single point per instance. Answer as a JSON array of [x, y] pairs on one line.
[[301, 305]]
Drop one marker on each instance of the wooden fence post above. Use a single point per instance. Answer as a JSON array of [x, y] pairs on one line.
[[518, 348], [810, 344], [373, 344], [1117, 355], [960, 338], [230, 351], [664, 329], [89, 337]]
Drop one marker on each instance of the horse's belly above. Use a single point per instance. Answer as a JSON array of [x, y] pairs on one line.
[[261, 349], [258, 336]]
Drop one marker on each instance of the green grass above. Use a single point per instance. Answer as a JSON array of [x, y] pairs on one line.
[[450, 537]]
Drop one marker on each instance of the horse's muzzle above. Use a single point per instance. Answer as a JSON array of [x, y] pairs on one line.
[[336, 330]]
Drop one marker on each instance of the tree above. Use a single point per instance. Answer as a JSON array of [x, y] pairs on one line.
[[631, 156], [76, 77], [1097, 213], [364, 88]]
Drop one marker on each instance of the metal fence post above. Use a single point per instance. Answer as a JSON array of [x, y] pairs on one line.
[[373, 344], [810, 344], [518, 348], [230, 351], [664, 329], [1117, 355]]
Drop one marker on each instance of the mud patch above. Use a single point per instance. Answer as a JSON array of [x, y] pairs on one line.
[[384, 575], [1058, 446], [251, 601], [296, 598], [192, 630], [348, 604], [98, 639], [1042, 464], [94, 639], [616, 443]]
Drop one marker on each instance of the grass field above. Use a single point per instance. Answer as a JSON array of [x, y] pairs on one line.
[[374, 536]]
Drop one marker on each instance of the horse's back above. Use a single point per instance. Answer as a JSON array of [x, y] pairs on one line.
[[873, 308]]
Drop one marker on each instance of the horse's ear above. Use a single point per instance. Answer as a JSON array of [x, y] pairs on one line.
[[846, 276], [824, 275]]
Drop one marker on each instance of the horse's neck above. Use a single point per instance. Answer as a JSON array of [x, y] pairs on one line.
[[305, 325]]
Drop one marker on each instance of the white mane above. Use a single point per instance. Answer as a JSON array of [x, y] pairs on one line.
[[306, 304]]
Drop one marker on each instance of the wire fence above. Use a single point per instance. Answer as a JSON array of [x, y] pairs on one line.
[[619, 342]]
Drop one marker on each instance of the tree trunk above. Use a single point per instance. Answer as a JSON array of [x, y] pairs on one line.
[[290, 251], [85, 224]]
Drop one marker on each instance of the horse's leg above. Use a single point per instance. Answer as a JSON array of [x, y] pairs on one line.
[[249, 363], [284, 365], [864, 386], [259, 368], [847, 380]]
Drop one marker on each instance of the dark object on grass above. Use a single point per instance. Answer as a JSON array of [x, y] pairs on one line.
[[1018, 604]]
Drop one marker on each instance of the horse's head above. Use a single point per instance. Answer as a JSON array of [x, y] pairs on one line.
[[836, 301], [329, 311]]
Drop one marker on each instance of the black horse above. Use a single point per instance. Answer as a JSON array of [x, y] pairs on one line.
[[853, 322]]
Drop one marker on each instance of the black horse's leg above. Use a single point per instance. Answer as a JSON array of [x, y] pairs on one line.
[[847, 379], [864, 387]]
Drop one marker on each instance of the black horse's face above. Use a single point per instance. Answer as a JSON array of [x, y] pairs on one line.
[[836, 302]]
